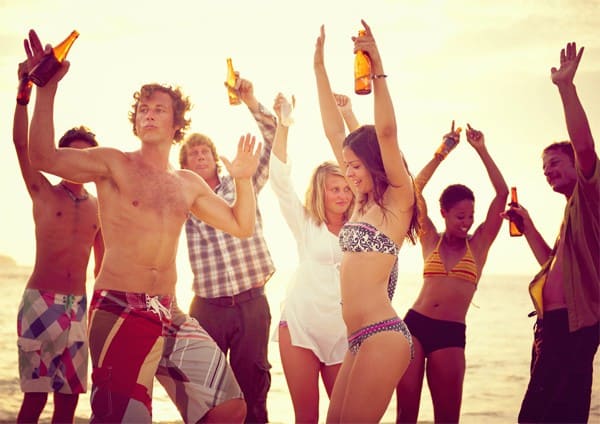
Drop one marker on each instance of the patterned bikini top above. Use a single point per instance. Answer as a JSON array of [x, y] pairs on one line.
[[364, 237], [465, 269]]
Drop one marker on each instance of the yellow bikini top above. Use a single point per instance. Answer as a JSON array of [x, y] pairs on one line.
[[465, 269]]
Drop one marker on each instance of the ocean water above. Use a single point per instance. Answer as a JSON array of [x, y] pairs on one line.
[[499, 335]]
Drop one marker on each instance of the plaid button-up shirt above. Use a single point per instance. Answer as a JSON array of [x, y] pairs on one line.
[[224, 265]]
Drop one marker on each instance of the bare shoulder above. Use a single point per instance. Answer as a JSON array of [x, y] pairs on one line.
[[188, 176], [111, 154], [429, 239], [192, 182], [479, 245]]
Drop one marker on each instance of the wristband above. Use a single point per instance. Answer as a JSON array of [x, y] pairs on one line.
[[377, 76]]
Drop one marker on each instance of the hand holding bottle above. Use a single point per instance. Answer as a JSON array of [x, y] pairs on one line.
[[449, 142], [245, 91], [25, 83], [362, 70], [51, 61], [518, 214], [366, 43], [515, 220]]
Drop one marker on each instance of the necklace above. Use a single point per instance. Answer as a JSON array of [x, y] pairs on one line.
[[72, 195]]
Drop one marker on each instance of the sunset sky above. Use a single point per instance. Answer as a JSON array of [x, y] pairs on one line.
[[482, 62]]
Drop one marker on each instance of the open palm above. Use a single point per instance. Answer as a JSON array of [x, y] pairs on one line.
[[246, 160], [569, 60]]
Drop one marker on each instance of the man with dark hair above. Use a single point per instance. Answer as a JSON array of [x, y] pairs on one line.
[[566, 292], [78, 133], [51, 321]]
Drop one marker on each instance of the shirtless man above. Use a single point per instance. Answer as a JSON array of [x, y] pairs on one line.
[[54, 359], [144, 202]]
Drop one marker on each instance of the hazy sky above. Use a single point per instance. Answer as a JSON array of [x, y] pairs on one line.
[[483, 62]]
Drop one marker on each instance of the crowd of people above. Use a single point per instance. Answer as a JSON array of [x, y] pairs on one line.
[[337, 321]]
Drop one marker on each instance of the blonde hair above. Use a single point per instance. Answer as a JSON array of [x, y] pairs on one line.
[[314, 200], [197, 139]]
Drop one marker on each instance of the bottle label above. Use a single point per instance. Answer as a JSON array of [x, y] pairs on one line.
[[234, 99], [515, 222], [447, 145], [362, 85]]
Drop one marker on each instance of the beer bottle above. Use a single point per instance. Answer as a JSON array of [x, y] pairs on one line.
[[515, 222], [24, 91], [231, 82], [362, 70], [450, 141], [51, 61]]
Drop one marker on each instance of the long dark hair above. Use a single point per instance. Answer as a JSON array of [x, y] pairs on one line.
[[364, 143]]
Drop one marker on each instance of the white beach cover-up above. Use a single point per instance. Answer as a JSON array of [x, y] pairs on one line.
[[311, 306]]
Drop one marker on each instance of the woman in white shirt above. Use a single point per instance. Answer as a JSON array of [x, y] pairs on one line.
[[311, 332]]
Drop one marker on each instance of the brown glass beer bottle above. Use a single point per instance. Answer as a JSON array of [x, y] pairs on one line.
[[450, 141], [515, 223], [24, 91], [50, 63], [231, 82], [362, 70]]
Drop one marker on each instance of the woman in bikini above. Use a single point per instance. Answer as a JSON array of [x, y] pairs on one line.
[[453, 264], [379, 343]]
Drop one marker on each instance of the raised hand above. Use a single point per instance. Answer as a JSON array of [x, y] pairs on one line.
[[343, 102], [34, 49], [569, 60], [246, 160], [475, 137], [35, 52], [23, 69], [279, 101], [447, 146], [367, 44], [245, 90], [319, 48]]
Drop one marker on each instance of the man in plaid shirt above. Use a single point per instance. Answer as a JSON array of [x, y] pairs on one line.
[[230, 273]]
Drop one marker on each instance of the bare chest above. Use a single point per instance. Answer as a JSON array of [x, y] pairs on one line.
[[60, 216], [149, 191]]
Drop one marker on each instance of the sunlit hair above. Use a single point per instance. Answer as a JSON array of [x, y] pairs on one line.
[[564, 147], [453, 194], [314, 200], [363, 142], [82, 133], [181, 106], [197, 139]]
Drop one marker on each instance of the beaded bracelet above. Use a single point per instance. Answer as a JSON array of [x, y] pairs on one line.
[[378, 76]]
